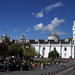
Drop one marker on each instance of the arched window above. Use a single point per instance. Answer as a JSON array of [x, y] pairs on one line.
[[72, 41], [43, 48], [54, 48], [65, 49]]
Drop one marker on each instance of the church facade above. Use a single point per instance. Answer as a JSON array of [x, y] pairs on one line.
[[65, 47]]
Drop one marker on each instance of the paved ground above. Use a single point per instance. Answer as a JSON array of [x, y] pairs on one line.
[[70, 71], [36, 72], [52, 70]]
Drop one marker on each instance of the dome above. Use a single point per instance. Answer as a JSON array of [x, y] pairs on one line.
[[22, 37], [53, 36], [4, 35]]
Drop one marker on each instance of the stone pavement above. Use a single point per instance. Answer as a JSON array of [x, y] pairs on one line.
[[65, 71], [50, 70], [36, 72]]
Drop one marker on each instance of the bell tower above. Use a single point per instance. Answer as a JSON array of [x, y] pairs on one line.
[[73, 31], [73, 46]]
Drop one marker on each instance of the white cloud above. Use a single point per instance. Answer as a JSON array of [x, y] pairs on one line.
[[38, 27], [50, 7], [39, 15], [50, 27], [28, 30], [54, 23]]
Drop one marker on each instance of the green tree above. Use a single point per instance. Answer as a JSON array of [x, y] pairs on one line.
[[37, 54], [53, 54], [16, 50], [6, 39], [3, 49]]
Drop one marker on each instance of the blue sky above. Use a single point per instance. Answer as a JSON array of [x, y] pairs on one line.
[[36, 19]]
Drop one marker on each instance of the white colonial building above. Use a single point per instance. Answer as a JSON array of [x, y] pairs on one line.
[[65, 47]]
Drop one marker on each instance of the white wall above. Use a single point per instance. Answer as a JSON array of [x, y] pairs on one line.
[[57, 46], [67, 53]]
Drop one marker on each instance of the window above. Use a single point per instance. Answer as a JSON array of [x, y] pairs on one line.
[[43, 48], [43, 51], [73, 41], [65, 49], [54, 48]]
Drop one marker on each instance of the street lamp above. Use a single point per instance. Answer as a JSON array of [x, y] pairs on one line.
[[33, 51], [27, 47]]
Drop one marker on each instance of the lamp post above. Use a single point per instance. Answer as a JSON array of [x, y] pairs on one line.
[[27, 47], [33, 52]]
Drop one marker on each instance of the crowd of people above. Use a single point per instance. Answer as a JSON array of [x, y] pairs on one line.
[[15, 64], [22, 64]]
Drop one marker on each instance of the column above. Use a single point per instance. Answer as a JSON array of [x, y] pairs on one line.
[[71, 50], [49, 47], [39, 46], [60, 49], [74, 51]]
